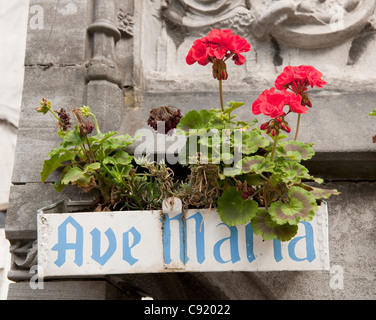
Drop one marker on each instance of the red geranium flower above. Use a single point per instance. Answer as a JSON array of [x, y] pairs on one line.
[[298, 79], [218, 45], [271, 103], [199, 53], [294, 101]]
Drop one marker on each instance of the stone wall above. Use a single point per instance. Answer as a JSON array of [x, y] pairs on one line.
[[123, 57]]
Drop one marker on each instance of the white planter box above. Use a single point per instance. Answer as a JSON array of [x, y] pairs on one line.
[[100, 243]]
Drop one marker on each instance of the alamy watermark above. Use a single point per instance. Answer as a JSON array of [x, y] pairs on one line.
[[36, 17], [201, 146], [35, 281], [337, 278]]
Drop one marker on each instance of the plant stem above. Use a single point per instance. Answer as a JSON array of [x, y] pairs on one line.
[[274, 146], [95, 122], [87, 154], [297, 127], [91, 151], [221, 95], [54, 114]]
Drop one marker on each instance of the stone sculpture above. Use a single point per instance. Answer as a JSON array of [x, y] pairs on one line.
[[297, 23]]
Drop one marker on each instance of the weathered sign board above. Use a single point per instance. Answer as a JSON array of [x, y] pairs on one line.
[[100, 243]]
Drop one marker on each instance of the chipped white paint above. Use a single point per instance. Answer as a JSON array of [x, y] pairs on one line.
[[89, 244]]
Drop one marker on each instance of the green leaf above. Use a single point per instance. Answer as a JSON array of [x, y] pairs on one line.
[[233, 210], [119, 142], [252, 141], [99, 138], [125, 170], [210, 138], [122, 157], [84, 180], [195, 120], [256, 164], [232, 105], [108, 160], [292, 172], [57, 150], [54, 163], [74, 137], [249, 124], [58, 185], [295, 150], [92, 166], [72, 175], [372, 113], [302, 206], [61, 133], [262, 224], [320, 193], [254, 179]]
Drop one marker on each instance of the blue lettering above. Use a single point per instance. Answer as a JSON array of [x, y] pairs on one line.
[[167, 239], [277, 250], [309, 244], [96, 241], [127, 256], [62, 246], [200, 240], [234, 250], [249, 242]]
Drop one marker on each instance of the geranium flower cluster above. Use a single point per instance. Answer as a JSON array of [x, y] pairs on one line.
[[271, 102], [298, 79], [217, 47]]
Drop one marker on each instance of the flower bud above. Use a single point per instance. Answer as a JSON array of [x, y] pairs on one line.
[[64, 122], [287, 129], [86, 128], [264, 126], [219, 70], [305, 100], [44, 106]]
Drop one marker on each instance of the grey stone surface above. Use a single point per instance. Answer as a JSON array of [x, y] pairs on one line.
[[64, 87], [2, 219], [57, 32], [104, 99], [26, 199], [67, 290]]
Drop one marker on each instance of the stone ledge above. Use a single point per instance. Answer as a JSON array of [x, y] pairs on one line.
[[67, 290], [345, 166], [25, 200], [337, 122]]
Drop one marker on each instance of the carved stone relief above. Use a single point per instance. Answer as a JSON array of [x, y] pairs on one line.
[[306, 24], [24, 256], [125, 23]]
